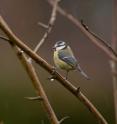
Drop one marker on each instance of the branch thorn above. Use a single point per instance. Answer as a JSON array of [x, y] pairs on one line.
[[84, 25], [78, 90], [34, 98], [42, 25], [53, 76], [63, 119]]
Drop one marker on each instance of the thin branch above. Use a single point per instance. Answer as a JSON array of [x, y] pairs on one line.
[[90, 36], [35, 81], [113, 64], [105, 43], [114, 80], [50, 26], [4, 27], [39, 88]]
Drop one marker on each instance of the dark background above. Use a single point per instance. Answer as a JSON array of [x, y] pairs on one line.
[[23, 16]]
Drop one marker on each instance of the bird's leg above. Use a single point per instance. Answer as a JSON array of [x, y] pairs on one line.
[[52, 77], [66, 77]]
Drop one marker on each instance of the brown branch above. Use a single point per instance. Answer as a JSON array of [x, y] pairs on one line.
[[49, 68], [105, 43], [90, 36], [114, 82], [50, 26], [39, 89], [35, 81]]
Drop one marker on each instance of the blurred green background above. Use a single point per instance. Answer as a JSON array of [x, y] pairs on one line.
[[23, 16]]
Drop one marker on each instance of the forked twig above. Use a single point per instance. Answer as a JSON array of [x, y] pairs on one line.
[[5, 28], [49, 27], [75, 21]]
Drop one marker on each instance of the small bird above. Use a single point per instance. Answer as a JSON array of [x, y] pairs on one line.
[[65, 59]]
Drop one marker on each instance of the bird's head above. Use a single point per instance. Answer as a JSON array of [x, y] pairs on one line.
[[60, 45]]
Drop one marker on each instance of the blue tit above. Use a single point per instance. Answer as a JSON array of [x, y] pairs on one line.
[[65, 59]]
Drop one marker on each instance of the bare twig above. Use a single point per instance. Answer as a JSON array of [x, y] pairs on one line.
[[49, 68], [50, 26], [35, 81], [105, 43], [90, 36]]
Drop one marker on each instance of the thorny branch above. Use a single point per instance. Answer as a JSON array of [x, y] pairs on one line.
[[76, 22], [5, 28]]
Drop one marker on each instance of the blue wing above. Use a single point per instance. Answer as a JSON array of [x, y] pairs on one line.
[[70, 60]]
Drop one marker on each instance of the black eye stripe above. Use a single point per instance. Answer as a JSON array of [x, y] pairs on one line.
[[61, 45]]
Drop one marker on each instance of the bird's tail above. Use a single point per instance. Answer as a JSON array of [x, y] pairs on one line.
[[82, 72]]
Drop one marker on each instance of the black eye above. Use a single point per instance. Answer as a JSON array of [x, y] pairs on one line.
[[61, 43]]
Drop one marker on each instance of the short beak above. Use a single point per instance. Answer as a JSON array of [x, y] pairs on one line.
[[54, 48]]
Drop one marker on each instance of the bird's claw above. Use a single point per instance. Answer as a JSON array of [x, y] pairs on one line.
[[53, 76], [53, 70]]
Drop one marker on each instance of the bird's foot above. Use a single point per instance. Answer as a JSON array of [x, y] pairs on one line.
[[66, 78], [53, 76]]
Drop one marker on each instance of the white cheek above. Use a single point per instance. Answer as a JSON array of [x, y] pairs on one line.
[[60, 48]]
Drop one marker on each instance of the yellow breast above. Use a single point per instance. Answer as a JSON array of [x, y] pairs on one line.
[[61, 64]]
